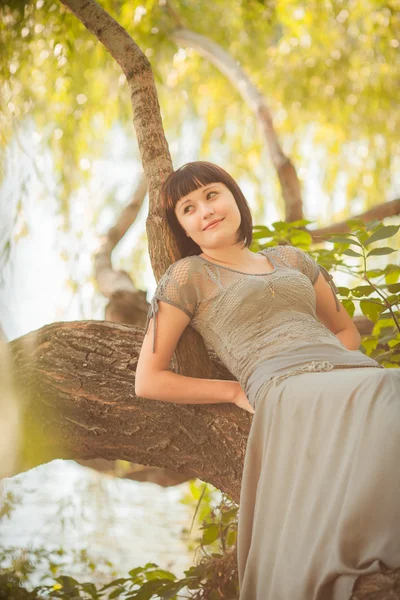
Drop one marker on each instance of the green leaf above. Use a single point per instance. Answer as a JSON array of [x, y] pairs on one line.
[[300, 223], [69, 584], [382, 234], [369, 344], [388, 315], [281, 226], [372, 273], [349, 306], [355, 224], [210, 534], [381, 251], [262, 233], [372, 224], [170, 590], [90, 588], [393, 299], [160, 573], [229, 515], [345, 240], [231, 537], [150, 566], [350, 252], [371, 310], [114, 583], [343, 291], [392, 276], [301, 237], [148, 589], [116, 593], [362, 290]]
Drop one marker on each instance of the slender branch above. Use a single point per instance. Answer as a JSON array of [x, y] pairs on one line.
[[108, 279], [228, 66]]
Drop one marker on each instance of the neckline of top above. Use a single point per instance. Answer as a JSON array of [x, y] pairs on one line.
[[243, 272]]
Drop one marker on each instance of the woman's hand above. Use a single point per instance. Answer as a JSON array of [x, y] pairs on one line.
[[240, 399]]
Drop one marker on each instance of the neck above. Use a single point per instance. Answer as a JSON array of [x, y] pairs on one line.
[[229, 255]]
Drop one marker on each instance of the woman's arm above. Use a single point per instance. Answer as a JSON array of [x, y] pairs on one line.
[[339, 322], [154, 380]]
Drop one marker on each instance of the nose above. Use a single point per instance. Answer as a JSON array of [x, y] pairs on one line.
[[207, 211]]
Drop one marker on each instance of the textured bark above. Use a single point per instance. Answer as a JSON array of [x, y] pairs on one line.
[[290, 184], [378, 586], [75, 384]]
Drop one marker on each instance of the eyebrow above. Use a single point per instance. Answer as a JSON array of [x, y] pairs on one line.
[[204, 191]]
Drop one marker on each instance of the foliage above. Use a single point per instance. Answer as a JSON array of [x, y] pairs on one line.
[[215, 576], [379, 295], [329, 72]]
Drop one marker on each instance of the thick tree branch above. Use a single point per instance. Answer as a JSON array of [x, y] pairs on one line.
[[75, 384]]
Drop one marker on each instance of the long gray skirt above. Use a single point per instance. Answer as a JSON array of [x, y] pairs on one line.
[[320, 495]]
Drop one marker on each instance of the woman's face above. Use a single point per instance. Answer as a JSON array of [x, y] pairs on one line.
[[209, 203]]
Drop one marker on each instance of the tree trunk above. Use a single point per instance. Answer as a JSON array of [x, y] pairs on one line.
[[191, 354]]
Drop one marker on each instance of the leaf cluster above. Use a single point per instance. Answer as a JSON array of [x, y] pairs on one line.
[[377, 292], [214, 577]]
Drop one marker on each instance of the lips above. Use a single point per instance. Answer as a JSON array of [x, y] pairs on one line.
[[212, 223]]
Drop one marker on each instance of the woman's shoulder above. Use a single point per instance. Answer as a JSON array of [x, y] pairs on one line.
[[182, 268], [185, 264]]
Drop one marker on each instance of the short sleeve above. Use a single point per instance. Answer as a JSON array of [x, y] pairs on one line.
[[308, 266], [175, 287]]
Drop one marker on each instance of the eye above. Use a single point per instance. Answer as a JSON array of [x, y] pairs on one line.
[[186, 207], [210, 193]]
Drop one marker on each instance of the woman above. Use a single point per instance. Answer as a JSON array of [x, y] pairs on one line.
[[319, 502]]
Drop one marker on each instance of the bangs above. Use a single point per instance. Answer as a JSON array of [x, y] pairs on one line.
[[187, 179]]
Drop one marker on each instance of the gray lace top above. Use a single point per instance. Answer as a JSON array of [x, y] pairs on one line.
[[266, 320]]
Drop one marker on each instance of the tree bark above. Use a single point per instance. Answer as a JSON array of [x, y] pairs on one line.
[[75, 384]]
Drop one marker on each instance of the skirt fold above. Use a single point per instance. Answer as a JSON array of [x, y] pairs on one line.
[[320, 496]]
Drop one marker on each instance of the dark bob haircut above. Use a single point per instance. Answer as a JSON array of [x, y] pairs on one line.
[[186, 180]]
